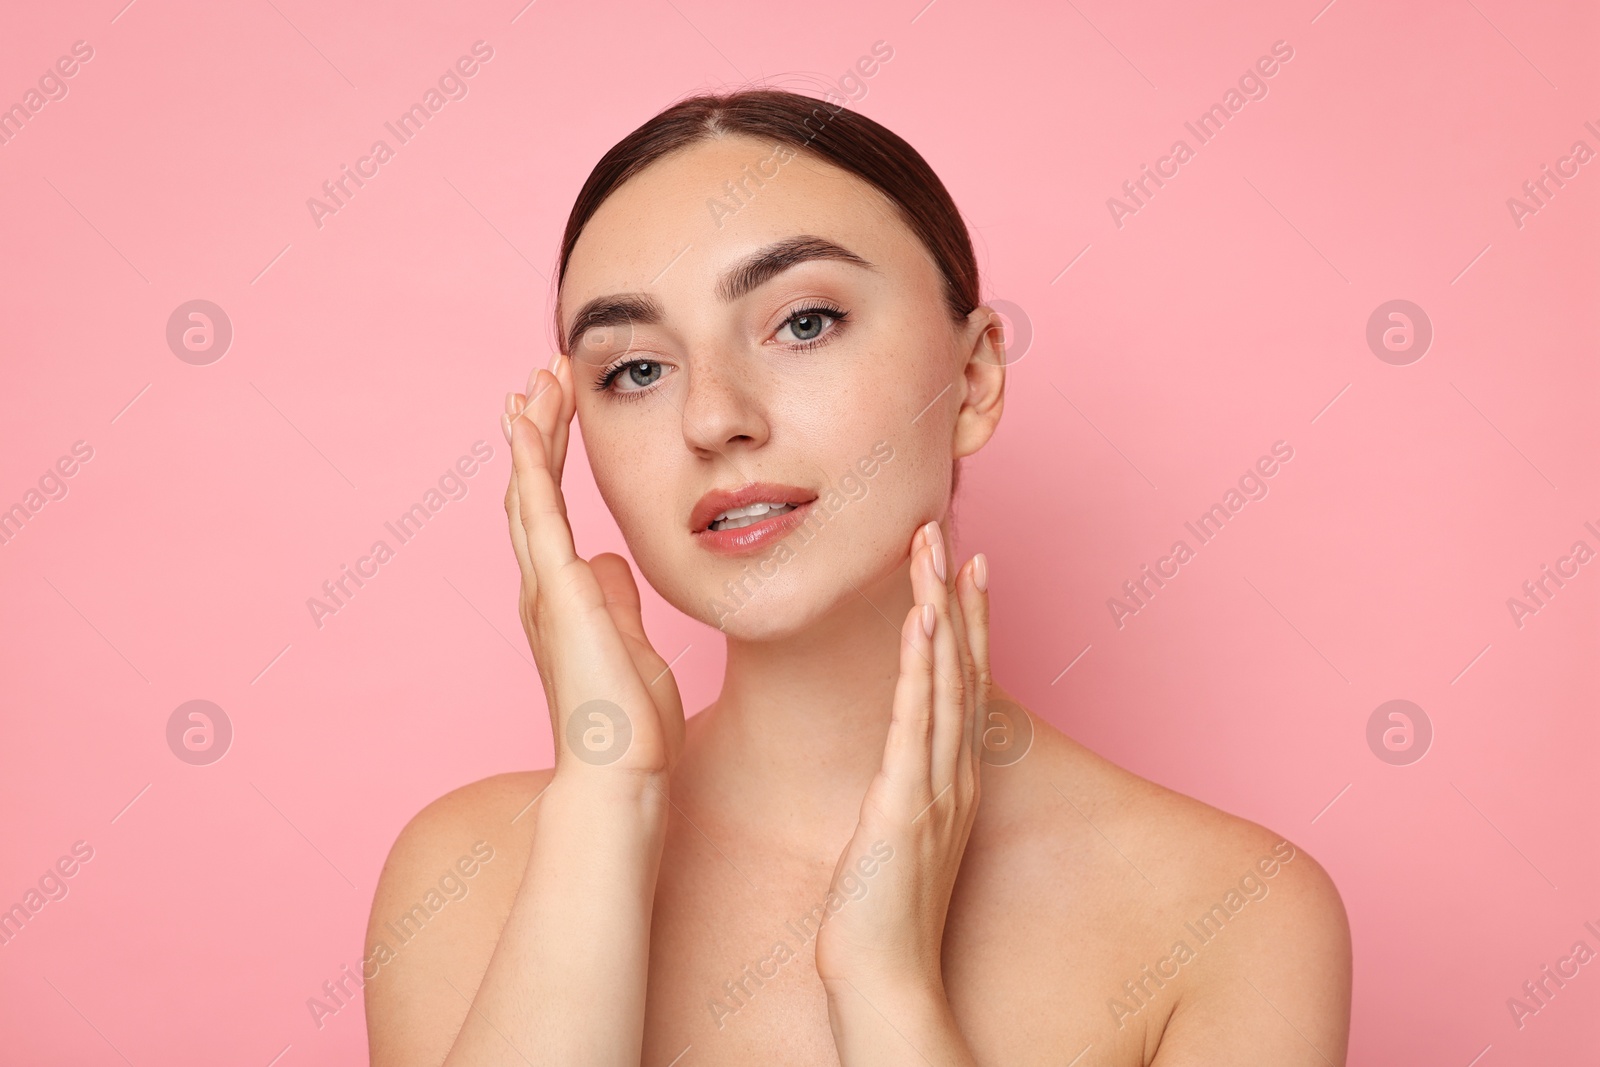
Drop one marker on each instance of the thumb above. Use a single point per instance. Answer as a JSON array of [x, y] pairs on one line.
[[616, 582], [621, 593]]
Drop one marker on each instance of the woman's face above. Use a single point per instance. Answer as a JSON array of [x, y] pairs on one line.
[[835, 373]]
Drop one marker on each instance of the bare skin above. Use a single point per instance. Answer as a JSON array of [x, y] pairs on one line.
[[631, 913]]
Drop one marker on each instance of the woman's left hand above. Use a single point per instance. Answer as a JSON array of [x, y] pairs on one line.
[[878, 951]]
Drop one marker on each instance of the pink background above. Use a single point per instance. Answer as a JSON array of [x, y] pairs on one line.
[[368, 355]]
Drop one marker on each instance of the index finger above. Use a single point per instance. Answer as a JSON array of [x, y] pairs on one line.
[[561, 368], [539, 505]]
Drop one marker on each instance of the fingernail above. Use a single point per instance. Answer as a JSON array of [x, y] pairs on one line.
[[511, 403], [927, 619], [938, 553], [980, 572], [505, 427], [551, 367]]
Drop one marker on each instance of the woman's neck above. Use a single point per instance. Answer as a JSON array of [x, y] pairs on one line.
[[798, 730]]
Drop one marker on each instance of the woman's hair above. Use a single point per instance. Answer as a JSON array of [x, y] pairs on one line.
[[847, 139], [833, 133]]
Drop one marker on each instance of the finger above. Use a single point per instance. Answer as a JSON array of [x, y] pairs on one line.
[[561, 382], [971, 709], [616, 581], [905, 752], [543, 406], [569, 407], [538, 498], [622, 594], [958, 623], [949, 685], [519, 537], [556, 440], [975, 613]]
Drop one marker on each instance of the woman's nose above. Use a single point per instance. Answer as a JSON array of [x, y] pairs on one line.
[[721, 406]]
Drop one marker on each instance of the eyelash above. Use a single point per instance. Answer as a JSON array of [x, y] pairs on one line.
[[838, 315]]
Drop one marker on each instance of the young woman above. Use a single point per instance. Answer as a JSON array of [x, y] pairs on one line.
[[770, 329]]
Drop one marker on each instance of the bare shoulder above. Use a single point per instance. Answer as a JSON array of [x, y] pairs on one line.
[[1247, 939], [446, 888]]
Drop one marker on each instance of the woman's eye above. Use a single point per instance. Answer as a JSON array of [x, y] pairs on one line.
[[635, 375], [807, 327], [808, 324], [643, 373]]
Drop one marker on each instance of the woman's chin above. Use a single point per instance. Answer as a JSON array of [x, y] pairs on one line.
[[779, 613], [759, 620]]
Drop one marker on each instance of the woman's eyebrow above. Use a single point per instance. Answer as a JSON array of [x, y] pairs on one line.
[[620, 309], [754, 270], [751, 272]]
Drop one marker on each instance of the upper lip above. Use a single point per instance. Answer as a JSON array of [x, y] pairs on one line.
[[717, 501]]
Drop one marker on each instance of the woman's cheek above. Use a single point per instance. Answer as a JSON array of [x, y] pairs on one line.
[[640, 513]]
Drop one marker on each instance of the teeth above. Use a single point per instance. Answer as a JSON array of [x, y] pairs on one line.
[[753, 509], [735, 518]]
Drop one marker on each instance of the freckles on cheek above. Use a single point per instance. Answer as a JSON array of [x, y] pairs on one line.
[[927, 469], [612, 471], [639, 488], [899, 496]]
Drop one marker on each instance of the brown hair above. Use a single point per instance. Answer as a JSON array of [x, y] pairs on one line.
[[844, 138], [833, 133]]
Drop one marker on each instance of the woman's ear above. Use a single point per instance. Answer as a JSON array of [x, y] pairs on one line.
[[983, 371]]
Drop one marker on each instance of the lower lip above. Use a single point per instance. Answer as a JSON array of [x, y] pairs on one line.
[[754, 537]]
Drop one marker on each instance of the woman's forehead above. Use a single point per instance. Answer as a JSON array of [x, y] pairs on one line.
[[689, 216]]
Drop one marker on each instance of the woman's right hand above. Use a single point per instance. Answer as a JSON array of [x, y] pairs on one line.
[[614, 703]]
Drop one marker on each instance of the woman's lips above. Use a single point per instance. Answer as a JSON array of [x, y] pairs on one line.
[[757, 535]]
